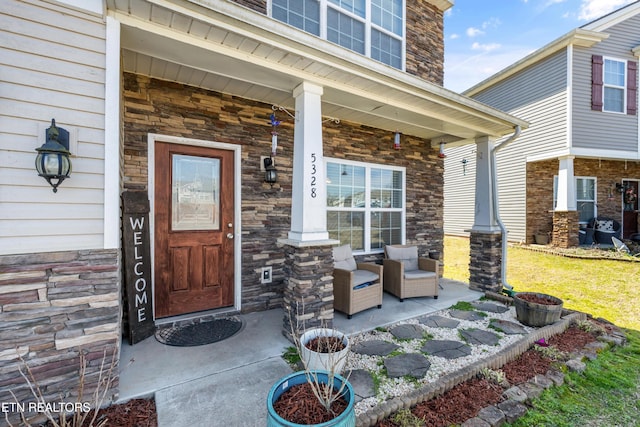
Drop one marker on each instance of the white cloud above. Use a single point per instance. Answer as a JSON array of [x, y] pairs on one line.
[[488, 47], [454, 36], [491, 23], [464, 71], [473, 32], [592, 9]]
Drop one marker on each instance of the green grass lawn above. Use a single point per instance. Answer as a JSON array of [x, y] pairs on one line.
[[601, 287], [608, 392]]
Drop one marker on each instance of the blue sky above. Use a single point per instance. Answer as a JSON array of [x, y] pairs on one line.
[[484, 36]]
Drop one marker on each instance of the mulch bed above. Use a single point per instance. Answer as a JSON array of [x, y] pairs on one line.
[[134, 413], [300, 406], [465, 400]]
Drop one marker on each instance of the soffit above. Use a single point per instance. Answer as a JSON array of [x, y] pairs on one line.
[[220, 46]]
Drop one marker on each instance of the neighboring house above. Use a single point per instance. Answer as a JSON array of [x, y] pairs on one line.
[[169, 105], [582, 148]]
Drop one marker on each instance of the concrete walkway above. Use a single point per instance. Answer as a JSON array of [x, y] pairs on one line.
[[227, 383]]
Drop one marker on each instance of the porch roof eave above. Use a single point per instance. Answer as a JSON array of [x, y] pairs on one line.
[[231, 49]]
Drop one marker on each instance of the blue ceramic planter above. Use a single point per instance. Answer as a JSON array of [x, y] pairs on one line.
[[345, 419]]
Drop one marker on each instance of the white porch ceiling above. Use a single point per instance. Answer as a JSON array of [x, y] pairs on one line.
[[220, 46]]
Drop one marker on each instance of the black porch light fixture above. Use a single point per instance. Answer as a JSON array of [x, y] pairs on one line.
[[270, 173], [52, 161]]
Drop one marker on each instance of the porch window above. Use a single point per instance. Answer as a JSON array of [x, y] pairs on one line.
[[374, 28], [365, 204], [585, 197]]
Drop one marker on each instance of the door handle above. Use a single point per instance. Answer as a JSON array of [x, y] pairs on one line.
[[229, 235]]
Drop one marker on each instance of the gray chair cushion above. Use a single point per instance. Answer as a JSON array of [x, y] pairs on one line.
[[363, 276], [418, 274], [408, 255], [343, 258]]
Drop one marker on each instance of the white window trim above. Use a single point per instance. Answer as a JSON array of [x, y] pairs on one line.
[[367, 209], [605, 85], [324, 4], [576, 178]]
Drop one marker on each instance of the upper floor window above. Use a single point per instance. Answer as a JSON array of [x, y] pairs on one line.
[[365, 204], [374, 28], [613, 85]]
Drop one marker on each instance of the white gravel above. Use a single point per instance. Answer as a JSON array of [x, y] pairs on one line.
[[393, 387]]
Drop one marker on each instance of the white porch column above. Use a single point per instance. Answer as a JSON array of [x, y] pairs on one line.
[[308, 199], [485, 215], [566, 197]]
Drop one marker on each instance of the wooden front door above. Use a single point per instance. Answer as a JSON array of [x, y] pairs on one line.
[[630, 210], [194, 229]]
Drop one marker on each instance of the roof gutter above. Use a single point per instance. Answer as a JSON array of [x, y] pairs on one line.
[[508, 289]]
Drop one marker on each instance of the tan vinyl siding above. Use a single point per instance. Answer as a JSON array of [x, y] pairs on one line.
[[598, 129], [52, 65], [538, 95]]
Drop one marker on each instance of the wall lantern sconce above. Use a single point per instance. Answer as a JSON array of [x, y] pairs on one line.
[[270, 173], [396, 141], [52, 161], [620, 188]]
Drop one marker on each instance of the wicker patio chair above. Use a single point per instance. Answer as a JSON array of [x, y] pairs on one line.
[[356, 286], [406, 275]]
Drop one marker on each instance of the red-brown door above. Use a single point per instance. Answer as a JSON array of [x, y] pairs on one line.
[[194, 229]]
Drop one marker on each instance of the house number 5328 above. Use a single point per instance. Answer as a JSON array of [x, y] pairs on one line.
[[313, 175]]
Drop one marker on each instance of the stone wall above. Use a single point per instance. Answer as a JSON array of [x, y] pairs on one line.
[[154, 106], [485, 261], [565, 224], [53, 307], [424, 38], [425, 41], [308, 289], [540, 190]]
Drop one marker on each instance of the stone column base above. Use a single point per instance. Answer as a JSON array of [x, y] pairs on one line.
[[308, 291], [565, 229], [485, 267]]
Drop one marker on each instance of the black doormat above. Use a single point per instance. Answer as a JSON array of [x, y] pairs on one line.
[[205, 332]]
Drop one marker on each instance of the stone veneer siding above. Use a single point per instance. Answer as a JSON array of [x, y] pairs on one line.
[[424, 48], [308, 289], [565, 224], [485, 265], [154, 106], [540, 191], [53, 306]]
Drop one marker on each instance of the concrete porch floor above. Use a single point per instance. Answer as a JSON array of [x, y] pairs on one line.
[[226, 383]]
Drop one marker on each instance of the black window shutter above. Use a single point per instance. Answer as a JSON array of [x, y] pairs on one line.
[[632, 87], [596, 82]]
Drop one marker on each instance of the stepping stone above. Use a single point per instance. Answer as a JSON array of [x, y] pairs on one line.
[[374, 348], [509, 328], [411, 364], [479, 337], [466, 315], [489, 306], [439, 322], [446, 348], [362, 383], [407, 332]]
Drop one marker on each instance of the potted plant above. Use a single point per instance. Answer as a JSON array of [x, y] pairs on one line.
[[541, 238], [535, 309], [324, 349], [317, 395]]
